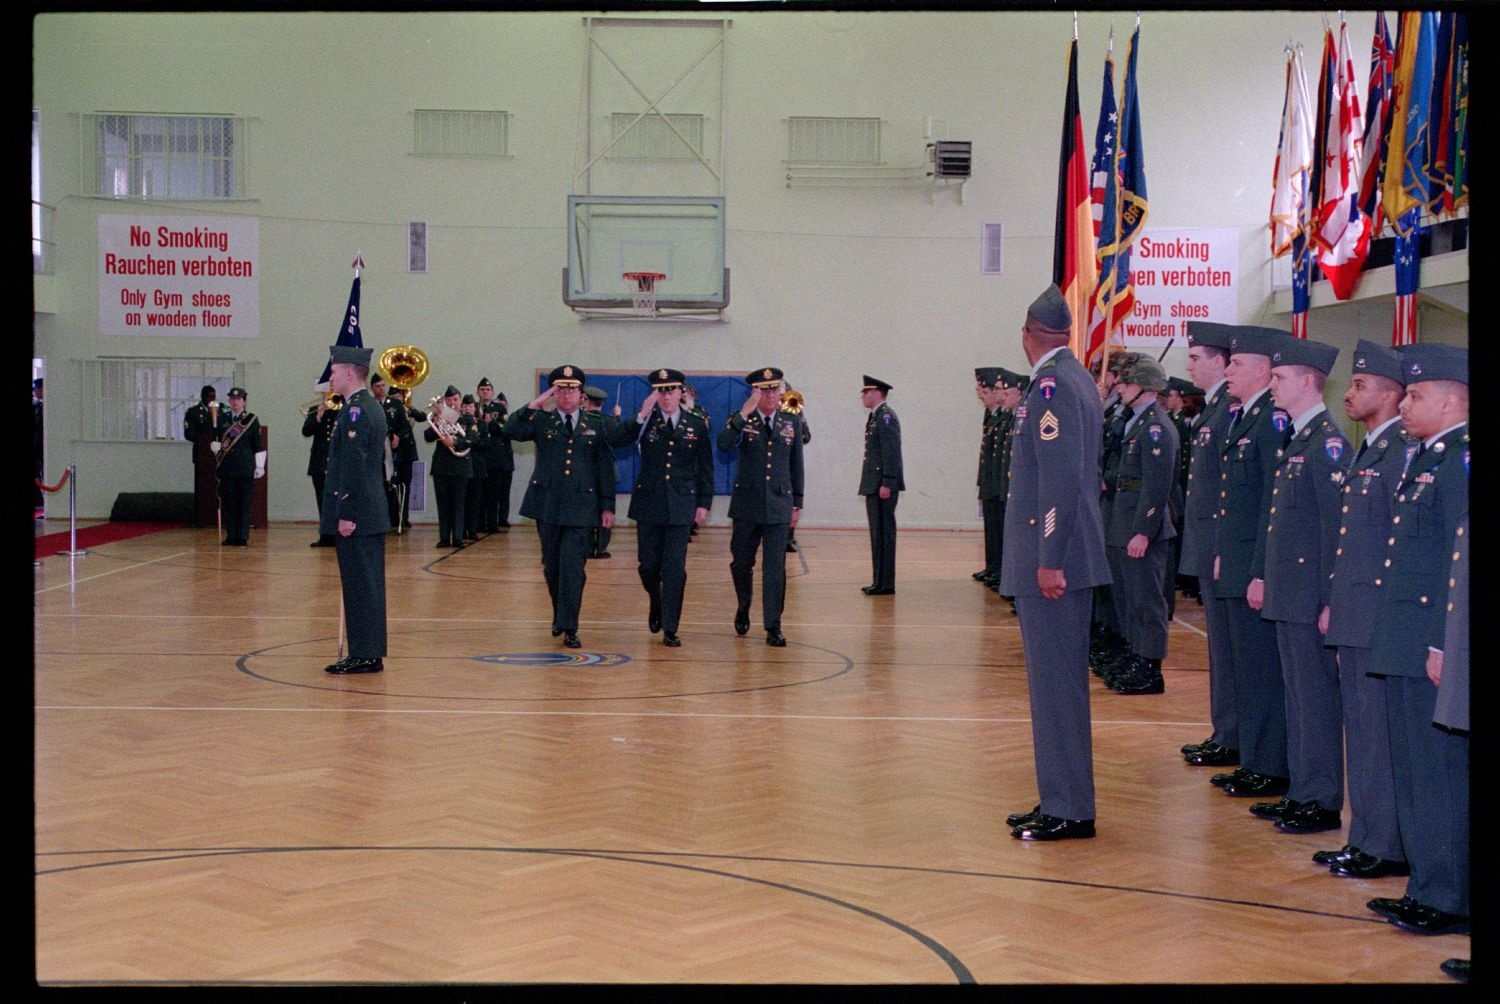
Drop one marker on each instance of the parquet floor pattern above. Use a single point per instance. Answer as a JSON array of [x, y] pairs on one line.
[[211, 807]]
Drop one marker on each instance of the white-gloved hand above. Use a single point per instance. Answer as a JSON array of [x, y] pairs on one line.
[[214, 447], [260, 464]]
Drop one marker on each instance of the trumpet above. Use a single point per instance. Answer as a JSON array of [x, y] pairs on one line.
[[445, 422], [329, 402]]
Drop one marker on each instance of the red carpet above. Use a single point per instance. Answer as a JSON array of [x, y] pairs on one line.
[[100, 533]]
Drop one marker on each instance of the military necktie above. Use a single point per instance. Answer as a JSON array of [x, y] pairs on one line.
[[568, 420]]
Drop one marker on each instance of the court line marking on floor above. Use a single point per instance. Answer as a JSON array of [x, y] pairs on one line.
[[1196, 631], [139, 564]]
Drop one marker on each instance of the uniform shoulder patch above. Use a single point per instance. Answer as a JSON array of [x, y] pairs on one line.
[[1048, 386], [1334, 448], [1154, 431], [1280, 419], [354, 413]]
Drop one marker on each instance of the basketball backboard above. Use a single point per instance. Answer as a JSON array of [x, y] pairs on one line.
[[681, 237]]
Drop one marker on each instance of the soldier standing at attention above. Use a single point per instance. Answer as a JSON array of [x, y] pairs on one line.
[[499, 460], [672, 494], [318, 424], [881, 482], [572, 489], [477, 430], [355, 509], [1302, 533], [992, 432], [395, 416], [1431, 764], [767, 498], [1348, 620], [1054, 557], [240, 462]]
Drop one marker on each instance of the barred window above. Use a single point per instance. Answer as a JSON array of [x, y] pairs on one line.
[[138, 400], [441, 132], [168, 156], [652, 139]]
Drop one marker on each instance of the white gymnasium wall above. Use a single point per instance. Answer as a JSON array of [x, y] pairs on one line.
[[827, 284]]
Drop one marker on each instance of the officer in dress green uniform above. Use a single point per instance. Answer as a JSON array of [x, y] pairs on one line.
[[881, 482], [767, 498], [673, 493], [1013, 387], [572, 489], [395, 415], [1431, 764], [1109, 655], [240, 461], [355, 509]]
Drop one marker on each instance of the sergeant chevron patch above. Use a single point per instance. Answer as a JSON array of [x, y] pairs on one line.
[[1049, 427]]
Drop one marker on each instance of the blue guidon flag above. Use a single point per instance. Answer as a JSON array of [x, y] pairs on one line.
[[1048, 385], [349, 332]]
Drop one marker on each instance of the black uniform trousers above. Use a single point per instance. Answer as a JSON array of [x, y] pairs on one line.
[[362, 573], [401, 487], [1260, 701], [564, 551], [1372, 787], [599, 538], [994, 533], [662, 555], [1139, 603], [450, 494], [1055, 637], [881, 514], [771, 539], [473, 505], [496, 501], [1222, 711], [235, 493], [1314, 716], [1431, 767]]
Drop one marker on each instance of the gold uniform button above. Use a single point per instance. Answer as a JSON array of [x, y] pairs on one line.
[[1391, 541], [1450, 608], [1387, 562], [668, 477], [1343, 530], [1377, 582], [1346, 509], [1396, 520], [1273, 510], [1301, 561], [1031, 522], [1424, 600], [1452, 583], [1337, 551]]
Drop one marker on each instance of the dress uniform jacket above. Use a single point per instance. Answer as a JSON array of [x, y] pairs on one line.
[[1201, 504], [1453, 692], [498, 454], [198, 422], [574, 477], [445, 464], [1144, 480], [354, 490], [404, 429], [1302, 531], [882, 458], [768, 479], [993, 438], [239, 439], [677, 468], [319, 429]]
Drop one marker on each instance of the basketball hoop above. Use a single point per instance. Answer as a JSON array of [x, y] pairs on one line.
[[643, 297]]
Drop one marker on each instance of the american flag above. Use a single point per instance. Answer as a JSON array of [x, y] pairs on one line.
[[1103, 171], [1408, 279], [1126, 207]]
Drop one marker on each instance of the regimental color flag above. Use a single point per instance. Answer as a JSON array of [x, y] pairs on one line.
[[1448, 116], [1073, 238], [1406, 153], [1126, 207], [1342, 233], [1104, 179], [349, 333], [1293, 157], [1378, 106]]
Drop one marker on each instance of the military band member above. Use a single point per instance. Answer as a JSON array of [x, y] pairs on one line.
[[1207, 358], [402, 421], [1348, 620], [1174, 409], [1431, 764], [394, 415], [479, 439], [1302, 532], [240, 462], [593, 402], [691, 406], [451, 466], [201, 419], [355, 509], [1247, 469], [992, 435], [572, 489], [499, 460], [1054, 557], [1140, 527], [318, 425], [792, 402], [673, 493], [199, 425], [767, 498], [881, 482]]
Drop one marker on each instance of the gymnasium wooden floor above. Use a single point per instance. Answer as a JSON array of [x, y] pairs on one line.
[[212, 807]]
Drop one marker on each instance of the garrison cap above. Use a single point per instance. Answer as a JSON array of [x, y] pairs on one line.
[[451, 391], [1380, 360], [238, 392], [356, 354], [872, 384], [666, 379], [770, 376], [1010, 378], [1146, 373], [376, 377], [1435, 362], [566, 376], [1256, 340], [594, 393], [987, 376], [484, 382], [1209, 334], [1184, 387], [468, 399], [1050, 310], [1304, 352]]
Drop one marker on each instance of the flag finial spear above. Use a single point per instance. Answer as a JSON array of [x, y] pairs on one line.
[[1075, 26], [1137, 20], [358, 263], [1111, 49]]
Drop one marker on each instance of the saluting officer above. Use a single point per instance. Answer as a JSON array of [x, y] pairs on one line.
[[572, 489], [240, 461], [673, 493], [1054, 556], [355, 509], [992, 433], [1247, 468], [1373, 399], [1302, 532], [881, 482], [1140, 527], [1431, 764], [767, 498], [1207, 358]]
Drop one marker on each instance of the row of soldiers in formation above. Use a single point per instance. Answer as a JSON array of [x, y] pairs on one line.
[[1333, 579]]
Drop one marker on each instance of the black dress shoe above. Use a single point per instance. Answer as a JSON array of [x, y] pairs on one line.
[[1220, 780], [1309, 818], [556, 631], [882, 591], [671, 640], [1192, 748], [741, 621], [353, 665], [653, 623], [570, 639], [1045, 827], [1258, 785], [867, 590], [981, 575], [1456, 968], [775, 639], [1420, 919], [442, 544], [1388, 908], [1143, 683], [791, 547], [1367, 866], [1022, 818], [602, 554], [1338, 857], [1275, 810], [1213, 755]]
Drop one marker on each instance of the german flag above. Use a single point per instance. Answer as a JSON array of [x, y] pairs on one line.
[[1073, 267]]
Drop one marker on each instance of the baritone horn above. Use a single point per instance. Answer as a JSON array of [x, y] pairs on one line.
[[404, 366]]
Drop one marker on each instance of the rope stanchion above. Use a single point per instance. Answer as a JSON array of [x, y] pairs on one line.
[[69, 478]]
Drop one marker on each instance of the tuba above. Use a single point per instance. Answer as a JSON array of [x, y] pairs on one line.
[[792, 401], [404, 366]]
